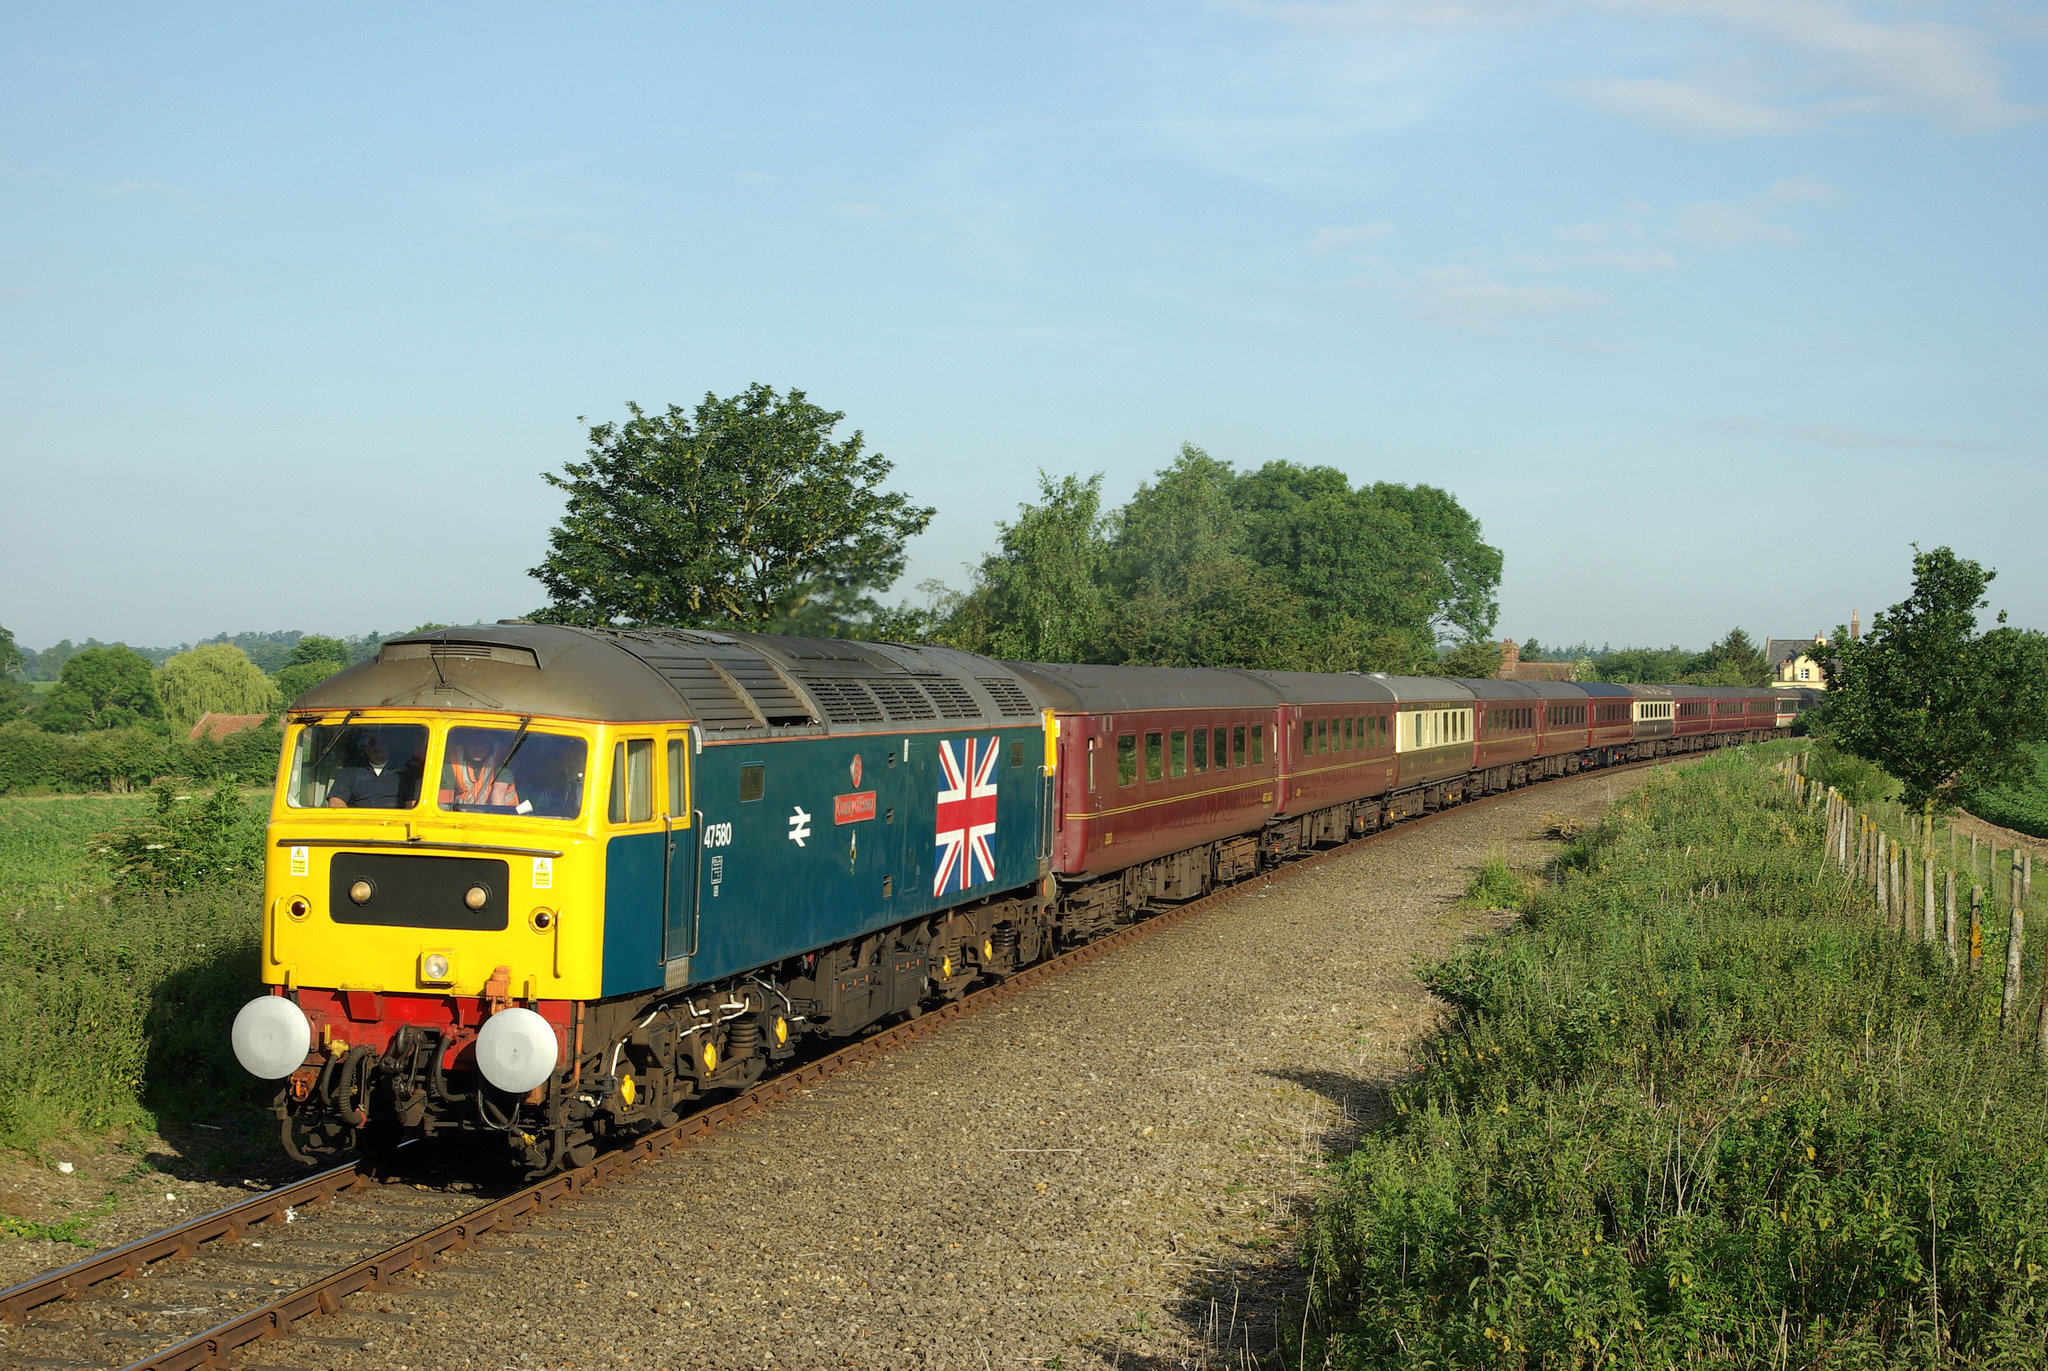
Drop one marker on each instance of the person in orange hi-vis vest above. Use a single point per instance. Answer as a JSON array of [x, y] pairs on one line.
[[477, 774]]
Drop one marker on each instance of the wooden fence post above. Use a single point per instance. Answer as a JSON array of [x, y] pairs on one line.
[[2014, 936], [1976, 929], [1927, 897], [1949, 883], [1883, 896]]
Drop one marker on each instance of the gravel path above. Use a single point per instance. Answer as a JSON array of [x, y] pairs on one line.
[[1104, 1171]]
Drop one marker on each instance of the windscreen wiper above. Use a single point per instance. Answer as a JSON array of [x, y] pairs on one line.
[[518, 741]]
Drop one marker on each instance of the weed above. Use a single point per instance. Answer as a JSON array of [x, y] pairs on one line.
[[1560, 827], [1497, 885], [1699, 1108]]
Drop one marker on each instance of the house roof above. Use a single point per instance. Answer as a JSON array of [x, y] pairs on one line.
[[1537, 671], [1778, 650], [219, 726]]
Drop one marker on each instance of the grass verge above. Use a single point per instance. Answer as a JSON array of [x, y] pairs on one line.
[[1699, 1108], [115, 1004]]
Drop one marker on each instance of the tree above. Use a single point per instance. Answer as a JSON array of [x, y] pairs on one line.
[[737, 514], [10, 656], [1039, 597], [101, 687], [313, 659], [1473, 659], [1734, 661], [1940, 706], [214, 678]]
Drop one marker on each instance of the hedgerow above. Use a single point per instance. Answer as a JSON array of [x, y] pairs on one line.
[[1700, 1109]]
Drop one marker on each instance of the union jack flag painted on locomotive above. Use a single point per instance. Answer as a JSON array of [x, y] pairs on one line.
[[967, 815]]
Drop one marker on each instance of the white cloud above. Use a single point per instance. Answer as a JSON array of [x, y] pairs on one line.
[[1944, 72], [1687, 107], [1332, 239], [1417, 14], [1728, 226], [150, 190], [1803, 190], [586, 239], [1469, 298]]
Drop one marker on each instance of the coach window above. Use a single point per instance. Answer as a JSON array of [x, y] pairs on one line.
[[1155, 756], [1258, 744], [1180, 753], [1222, 746], [1126, 758], [1201, 749], [1237, 746]]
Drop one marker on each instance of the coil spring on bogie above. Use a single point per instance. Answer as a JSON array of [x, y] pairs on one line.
[[742, 1039], [1007, 940]]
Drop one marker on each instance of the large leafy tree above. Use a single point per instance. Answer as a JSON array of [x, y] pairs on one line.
[[739, 513], [1937, 704], [1040, 595], [101, 687], [216, 678], [13, 699], [313, 659]]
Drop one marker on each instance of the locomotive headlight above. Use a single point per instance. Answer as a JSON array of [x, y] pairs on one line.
[[361, 891], [437, 968], [516, 1050], [271, 1037]]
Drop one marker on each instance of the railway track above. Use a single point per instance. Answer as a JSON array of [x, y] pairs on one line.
[[363, 1230]]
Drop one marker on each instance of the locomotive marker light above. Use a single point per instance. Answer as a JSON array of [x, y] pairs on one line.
[[436, 968], [516, 1050], [271, 1037], [361, 891], [476, 897]]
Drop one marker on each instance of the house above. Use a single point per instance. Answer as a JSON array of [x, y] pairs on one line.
[[1513, 668], [1796, 661]]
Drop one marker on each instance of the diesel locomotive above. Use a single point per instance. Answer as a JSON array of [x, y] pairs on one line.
[[548, 885]]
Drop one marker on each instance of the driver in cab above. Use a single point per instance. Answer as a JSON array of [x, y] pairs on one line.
[[374, 783]]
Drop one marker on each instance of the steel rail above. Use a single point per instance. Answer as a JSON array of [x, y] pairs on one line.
[[269, 1206], [217, 1344]]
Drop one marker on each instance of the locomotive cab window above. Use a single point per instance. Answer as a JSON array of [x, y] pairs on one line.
[[632, 800], [513, 771], [357, 766], [678, 778], [1126, 758]]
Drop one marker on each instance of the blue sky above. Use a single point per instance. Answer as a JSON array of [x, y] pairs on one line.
[[1706, 308]]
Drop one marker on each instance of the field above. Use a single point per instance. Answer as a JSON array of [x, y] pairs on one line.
[[114, 1004], [1701, 1108], [2022, 808]]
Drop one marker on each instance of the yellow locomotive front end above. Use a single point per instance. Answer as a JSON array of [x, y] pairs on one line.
[[432, 921]]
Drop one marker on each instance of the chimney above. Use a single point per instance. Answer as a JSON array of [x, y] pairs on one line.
[[1510, 658], [1855, 624]]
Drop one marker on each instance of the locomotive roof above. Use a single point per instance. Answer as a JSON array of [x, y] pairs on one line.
[[1092, 689], [726, 682]]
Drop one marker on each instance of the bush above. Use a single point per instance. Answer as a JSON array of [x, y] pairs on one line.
[[1699, 1108], [117, 1007], [190, 840], [32, 760]]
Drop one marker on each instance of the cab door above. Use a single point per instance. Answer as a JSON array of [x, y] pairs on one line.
[[685, 856]]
